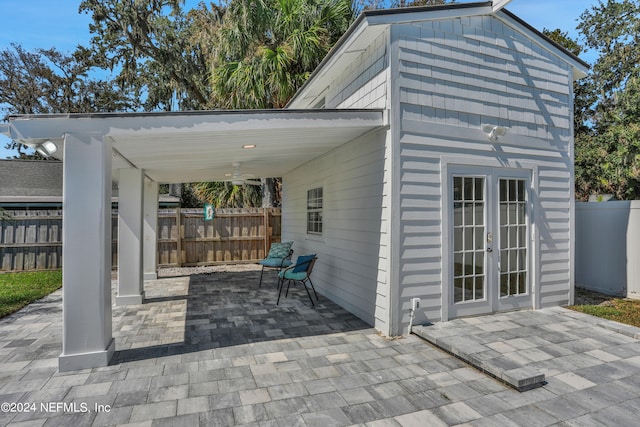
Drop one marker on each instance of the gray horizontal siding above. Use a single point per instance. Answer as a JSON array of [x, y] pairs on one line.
[[363, 84], [352, 265], [462, 74]]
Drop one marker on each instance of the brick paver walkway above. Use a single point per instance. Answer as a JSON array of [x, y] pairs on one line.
[[214, 349]]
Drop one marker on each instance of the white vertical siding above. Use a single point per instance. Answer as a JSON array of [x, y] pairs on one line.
[[456, 75], [352, 264]]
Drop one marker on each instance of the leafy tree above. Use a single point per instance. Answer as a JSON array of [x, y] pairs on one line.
[[608, 152], [609, 159], [158, 48], [48, 81]]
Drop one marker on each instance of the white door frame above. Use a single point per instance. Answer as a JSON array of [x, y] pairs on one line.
[[449, 164]]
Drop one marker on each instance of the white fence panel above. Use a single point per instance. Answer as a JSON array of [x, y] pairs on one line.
[[608, 247]]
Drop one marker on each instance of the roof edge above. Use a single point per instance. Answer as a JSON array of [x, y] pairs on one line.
[[547, 39], [134, 114]]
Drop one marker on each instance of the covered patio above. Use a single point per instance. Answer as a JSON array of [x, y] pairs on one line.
[[140, 151], [221, 307]]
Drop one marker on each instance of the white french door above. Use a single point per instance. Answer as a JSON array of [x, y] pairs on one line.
[[489, 221]]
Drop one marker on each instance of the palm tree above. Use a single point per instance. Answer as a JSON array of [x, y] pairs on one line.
[[268, 48], [228, 195]]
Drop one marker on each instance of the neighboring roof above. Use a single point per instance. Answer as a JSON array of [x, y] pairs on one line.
[[362, 31], [30, 178], [30, 182]]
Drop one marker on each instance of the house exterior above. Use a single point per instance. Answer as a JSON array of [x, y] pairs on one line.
[[429, 158], [432, 208]]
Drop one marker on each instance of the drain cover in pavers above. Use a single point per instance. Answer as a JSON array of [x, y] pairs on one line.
[[484, 350]]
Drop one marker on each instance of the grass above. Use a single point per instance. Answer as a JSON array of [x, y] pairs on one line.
[[20, 289], [621, 310]]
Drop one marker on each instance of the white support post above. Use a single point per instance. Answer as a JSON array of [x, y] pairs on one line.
[[150, 245], [130, 236], [87, 340]]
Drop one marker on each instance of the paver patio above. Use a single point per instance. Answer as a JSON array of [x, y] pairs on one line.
[[213, 349]]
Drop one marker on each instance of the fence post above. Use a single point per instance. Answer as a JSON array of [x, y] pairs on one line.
[[267, 236], [180, 237]]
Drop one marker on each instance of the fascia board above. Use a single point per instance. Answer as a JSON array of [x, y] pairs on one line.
[[427, 15], [499, 4]]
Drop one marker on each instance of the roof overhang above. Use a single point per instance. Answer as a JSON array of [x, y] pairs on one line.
[[203, 145]]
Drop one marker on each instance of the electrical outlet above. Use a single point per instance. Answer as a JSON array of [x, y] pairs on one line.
[[415, 303]]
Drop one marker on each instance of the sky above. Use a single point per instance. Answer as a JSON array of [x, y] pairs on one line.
[[45, 24]]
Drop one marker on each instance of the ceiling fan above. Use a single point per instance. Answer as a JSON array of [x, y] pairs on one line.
[[239, 178]]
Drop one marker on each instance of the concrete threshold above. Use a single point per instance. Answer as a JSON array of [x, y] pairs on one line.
[[456, 340]]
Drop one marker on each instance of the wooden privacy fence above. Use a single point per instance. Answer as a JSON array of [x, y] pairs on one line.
[[32, 240], [234, 235]]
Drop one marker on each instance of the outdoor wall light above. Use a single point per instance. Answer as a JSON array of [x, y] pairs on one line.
[[494, 132], [47, 148], [249, 146]]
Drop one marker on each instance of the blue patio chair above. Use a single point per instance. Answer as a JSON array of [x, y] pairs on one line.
[[279, 257], [300, 272]]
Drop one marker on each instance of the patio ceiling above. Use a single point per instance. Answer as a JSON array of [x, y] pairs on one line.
[[203, 145]]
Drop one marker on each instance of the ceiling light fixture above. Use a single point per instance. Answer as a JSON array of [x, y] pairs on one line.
[[494, 132]]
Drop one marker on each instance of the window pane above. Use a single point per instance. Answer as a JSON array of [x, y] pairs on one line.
[[479, 294], [521, 192], [480, 213], [468, 239], [468, 188], [457, 213], [479, 189], [504, 284], [457, 188], [522, 282], [468, 288], [457, 290], [479, 239], [457, 264], [503, 190], [314, 210], [513, 196], [468, 213]]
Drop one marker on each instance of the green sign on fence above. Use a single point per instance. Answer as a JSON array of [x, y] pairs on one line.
[[208, 212]]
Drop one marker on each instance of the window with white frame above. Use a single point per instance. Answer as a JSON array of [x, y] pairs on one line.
[[314, 211]]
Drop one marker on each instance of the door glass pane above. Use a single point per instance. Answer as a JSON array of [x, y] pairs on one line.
[[468, 188], [479, 189], [457, 289], [479, 207], [479, 287], [457, 188], [503, 190], [513, 233], [469, 235]]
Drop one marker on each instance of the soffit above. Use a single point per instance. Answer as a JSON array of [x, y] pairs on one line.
[[202, 146]]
